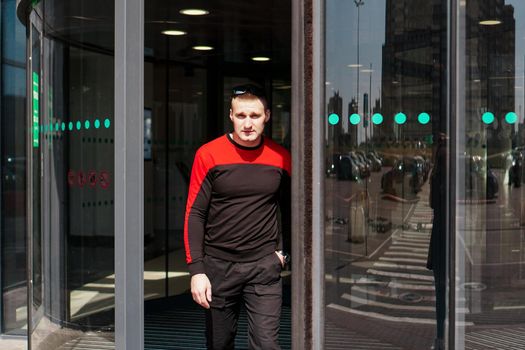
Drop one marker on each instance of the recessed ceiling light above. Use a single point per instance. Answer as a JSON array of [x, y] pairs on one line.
[[174, 32], [490, 22], [194, 12], [260, 59], [202, 48], [355, 65], [367, 70]]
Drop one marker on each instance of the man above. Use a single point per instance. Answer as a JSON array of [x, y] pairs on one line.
[[232, 237]]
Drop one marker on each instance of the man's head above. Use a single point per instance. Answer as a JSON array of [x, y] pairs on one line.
[[249, 113]]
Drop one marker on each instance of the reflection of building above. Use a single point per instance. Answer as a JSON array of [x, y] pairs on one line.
[[413, 76], [490, 70], [335, 105]]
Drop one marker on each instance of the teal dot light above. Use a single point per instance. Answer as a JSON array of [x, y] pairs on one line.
[[400, 118], [377, 118], [488, 117], [423, 118], [511, 117], [333, 119], [355, 119]]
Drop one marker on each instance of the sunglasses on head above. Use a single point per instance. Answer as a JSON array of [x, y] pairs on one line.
[[248, 89]]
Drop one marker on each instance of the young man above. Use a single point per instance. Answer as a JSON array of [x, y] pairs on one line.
[[232, 236]]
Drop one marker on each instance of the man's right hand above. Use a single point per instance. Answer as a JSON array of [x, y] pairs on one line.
[[201, 290]]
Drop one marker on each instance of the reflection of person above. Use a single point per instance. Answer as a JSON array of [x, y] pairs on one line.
[[232, 237], [437, 257]]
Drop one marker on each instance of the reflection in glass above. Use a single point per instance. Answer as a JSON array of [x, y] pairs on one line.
[[13, 170], [73, 245], [490, 211], [385, 96]]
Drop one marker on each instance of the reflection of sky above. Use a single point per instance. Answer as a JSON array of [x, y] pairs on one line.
[[519, 15], [341, 50]]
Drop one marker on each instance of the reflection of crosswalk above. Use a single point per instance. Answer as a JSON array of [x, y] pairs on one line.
[[337, 338], [401, 289], [505, 338]]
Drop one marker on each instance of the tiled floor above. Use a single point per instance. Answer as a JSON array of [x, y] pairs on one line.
[[13, 344]]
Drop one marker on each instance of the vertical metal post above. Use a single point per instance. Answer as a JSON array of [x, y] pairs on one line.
[[455, 107], [129, 174]]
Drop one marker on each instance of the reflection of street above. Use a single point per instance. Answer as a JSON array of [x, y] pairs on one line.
[[380, 290], [384, 291]]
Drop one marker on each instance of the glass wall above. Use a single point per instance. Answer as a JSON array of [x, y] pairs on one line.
[[13, 171], [72, 147], [385, 159], [490, 211]]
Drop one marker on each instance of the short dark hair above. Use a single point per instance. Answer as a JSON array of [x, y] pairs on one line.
[[250, 90]]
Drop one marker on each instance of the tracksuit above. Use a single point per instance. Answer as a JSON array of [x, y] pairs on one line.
[[232, 231]]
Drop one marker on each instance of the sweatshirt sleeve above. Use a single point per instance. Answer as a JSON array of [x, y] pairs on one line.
[[196, 212]]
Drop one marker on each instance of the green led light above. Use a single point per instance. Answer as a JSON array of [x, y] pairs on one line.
[[333, 119], [63, 126], [97, 123], [423, 118], [87, 124], [511, 117], [79, 125], [45, 128], [70, 126], [400, 118], [487, 117], [107, 123], [377, 118], [57, 126], [355, 119]]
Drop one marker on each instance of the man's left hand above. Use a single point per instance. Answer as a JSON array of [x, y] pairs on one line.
[[281, 257]]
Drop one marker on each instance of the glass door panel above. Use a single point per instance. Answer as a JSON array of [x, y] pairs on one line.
[[73, 239], [490, 193], [385, 109]]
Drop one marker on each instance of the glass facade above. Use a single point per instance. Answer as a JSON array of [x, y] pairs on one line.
[[422, 152], [490, 215], [386, 108], [394, 174], [13, 172], [72, 243]]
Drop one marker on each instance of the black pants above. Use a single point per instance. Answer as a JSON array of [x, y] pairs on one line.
[[257, 284]]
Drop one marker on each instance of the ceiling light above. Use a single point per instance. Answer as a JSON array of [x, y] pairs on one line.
[[194, 12], [490, 22], [367, 70], [260, 59], [202, 48], [174, 32], [355, 65]]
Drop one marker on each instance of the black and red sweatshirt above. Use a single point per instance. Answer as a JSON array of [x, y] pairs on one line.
[[233, 202]]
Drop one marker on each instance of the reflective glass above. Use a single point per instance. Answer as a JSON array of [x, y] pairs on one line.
[[385, 114], [490, 212], [73, 247], [13, 180]]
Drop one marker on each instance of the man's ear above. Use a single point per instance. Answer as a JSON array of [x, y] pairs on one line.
[[267, 118], [231, 115]]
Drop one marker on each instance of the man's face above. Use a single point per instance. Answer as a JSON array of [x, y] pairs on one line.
[[248, 116]]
